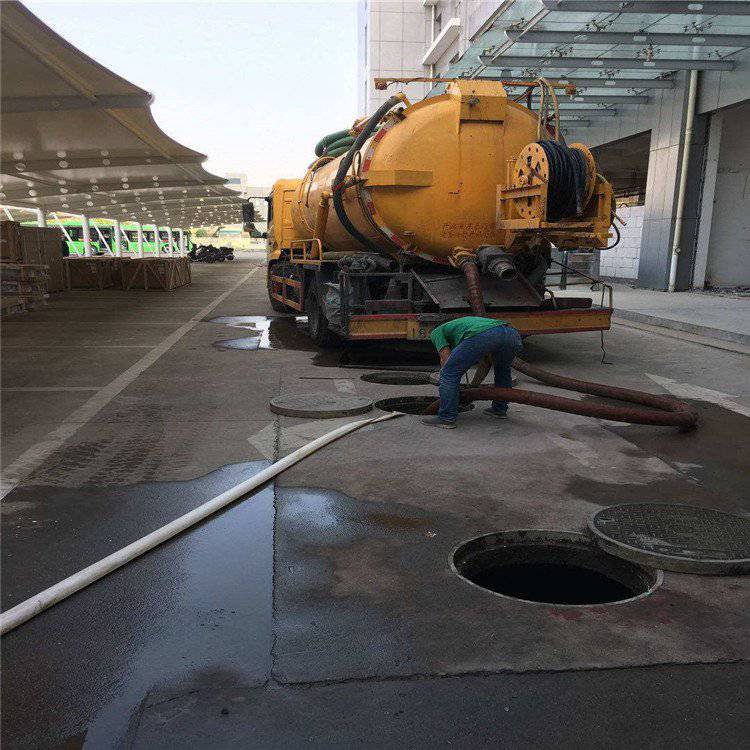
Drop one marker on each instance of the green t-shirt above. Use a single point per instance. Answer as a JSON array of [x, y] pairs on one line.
[[455, 331]]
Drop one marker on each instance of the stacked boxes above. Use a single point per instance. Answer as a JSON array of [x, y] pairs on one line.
[[23, 286], [31, 265]]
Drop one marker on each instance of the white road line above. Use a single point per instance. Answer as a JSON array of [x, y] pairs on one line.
[[79, 346], [50, 389], [30, 459], [686, 390]]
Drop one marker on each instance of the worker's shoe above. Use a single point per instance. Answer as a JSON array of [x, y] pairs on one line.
[[437, 422], [496, 413]]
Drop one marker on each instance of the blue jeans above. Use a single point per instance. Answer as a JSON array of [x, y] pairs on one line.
[[502, 342]]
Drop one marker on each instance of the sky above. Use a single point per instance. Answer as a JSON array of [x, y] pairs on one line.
[[254, 85]]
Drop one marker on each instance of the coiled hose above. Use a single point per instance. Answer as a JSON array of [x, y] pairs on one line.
[[568, 177]]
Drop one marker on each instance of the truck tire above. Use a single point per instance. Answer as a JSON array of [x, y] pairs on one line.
[[317, 323], [276, 306]]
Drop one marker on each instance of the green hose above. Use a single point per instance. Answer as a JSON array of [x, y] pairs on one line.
[[330, 138], [338, 151], [340, 143]]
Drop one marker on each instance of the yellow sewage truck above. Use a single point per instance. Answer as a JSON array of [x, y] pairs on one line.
[[371, 242]]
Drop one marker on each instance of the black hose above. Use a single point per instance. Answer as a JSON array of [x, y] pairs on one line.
[[617, 241], [346, 162], [568, 176]]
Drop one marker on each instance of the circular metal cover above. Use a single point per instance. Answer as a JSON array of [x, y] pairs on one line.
[[682, 538], [320, 405]]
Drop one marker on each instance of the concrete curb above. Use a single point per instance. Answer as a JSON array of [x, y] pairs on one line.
[[678, 325]]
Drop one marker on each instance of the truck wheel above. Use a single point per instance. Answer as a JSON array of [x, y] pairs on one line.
[[276, 306], [317, 323]]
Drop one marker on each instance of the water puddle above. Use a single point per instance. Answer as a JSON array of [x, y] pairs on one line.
[[283, 332], [290, 332], [193, 613]]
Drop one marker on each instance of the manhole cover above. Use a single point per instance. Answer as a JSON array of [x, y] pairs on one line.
[[320, 405], [551, 567], [681, 538], [397, 378], [412, 404]]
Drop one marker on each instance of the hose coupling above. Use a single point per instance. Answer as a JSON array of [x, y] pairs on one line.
[[495, 261]]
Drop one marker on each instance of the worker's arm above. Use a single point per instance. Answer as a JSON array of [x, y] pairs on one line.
[[444, 353], [440, 340]]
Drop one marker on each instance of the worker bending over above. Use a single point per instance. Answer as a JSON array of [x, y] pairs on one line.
[[462, 343]]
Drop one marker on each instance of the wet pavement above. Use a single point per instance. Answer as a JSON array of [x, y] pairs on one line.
[[323, 611], [198, 608]]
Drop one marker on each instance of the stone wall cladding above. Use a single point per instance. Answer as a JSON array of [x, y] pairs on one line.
[[622, 261]]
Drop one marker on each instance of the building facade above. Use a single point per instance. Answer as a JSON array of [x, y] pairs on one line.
[[635, 67]]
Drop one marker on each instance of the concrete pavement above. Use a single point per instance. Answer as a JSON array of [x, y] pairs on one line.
[[322, 612]]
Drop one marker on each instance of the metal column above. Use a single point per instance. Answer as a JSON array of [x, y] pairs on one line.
[[139, 228], [41, 218], [117, 238], [170, 241], [181, 235], [86, 229]]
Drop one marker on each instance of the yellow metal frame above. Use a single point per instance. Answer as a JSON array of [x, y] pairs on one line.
[[541, 322], [283, 285], [306, 251]]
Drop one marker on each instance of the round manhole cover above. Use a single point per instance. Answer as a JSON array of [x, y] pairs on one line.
[[681, 538], [320, 405]]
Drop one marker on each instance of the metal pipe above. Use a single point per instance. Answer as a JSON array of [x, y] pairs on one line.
[[101, 237], [432, 36], [116, 239], [139, 229], [86, 230], [41, 218], [682, 190], [64, 230], [157, 241]]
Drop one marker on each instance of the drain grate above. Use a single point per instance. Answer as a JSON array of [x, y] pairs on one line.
[[412, 404], [397, 378], [682, 538], [551, 567]]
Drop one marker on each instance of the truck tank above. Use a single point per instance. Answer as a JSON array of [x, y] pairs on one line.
[[431, 179], [376, 240]]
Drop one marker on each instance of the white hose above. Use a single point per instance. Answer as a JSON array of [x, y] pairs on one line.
[[24, 611]]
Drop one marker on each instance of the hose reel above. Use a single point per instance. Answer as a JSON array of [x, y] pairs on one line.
[[554, 181]]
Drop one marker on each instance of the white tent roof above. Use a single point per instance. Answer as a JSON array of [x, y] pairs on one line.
[[77, 138]]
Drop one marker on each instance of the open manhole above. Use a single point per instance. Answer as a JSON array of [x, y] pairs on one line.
[[412, 404], [551, 567], [397, 378]]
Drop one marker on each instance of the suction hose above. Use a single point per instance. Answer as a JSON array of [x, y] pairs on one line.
[[662, 411], [339, 182]]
